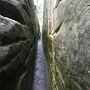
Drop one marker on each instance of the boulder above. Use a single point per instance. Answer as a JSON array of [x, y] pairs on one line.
[[66, 29], [18, 41]]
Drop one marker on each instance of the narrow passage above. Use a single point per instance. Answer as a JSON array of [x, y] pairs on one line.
[[40, 81]]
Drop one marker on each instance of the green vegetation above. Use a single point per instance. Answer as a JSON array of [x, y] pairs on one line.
[[39, 11]]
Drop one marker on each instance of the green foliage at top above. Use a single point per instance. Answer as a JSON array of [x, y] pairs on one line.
[[39, 12]]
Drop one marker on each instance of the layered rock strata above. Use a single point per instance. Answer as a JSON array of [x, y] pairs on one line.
[[18, 40], [66, 29]]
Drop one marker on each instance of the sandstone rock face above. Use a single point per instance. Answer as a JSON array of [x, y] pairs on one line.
[[18, 40], [66, 29]]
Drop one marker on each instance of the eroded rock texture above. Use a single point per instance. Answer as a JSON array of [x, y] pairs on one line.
[[66, 30], [18, 40]]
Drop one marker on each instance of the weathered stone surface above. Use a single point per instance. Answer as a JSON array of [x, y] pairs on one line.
[[11, 31], [18, 40], [66, 30]]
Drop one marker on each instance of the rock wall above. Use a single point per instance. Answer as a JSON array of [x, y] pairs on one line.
[[18, 40], [66, 39]]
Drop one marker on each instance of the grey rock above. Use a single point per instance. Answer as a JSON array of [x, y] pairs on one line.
[[19, 28], [66, 30]]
